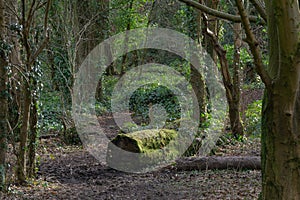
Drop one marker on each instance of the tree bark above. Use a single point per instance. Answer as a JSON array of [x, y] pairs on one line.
[[280, 115], [3, 98], [280, 144], [213, 26], [32, 139], [14, 104], [25, 112], [235, 118], [199, 88]]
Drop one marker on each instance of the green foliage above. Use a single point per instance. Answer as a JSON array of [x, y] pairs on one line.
[[181, 66], [154, 94], [104, 105], [129, 14], [245, 57], [253, 118], [50, 111]]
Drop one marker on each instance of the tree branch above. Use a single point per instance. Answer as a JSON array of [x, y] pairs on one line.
[[227, 80], [46, 39], [216, 13], [12, 9], [253, 44], [31, 13], [46, 18], [260, 9], [38, 51]]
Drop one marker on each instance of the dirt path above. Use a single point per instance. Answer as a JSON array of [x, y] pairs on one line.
[[68, 172], [77, 175]]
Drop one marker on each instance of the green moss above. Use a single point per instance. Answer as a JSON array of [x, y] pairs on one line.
[[145, 140], [150, 146]]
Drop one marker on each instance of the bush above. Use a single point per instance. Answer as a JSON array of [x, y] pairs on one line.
[[154, 94]]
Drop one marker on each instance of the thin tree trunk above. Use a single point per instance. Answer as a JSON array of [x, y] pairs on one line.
[[232, 92], [213, 26], [15, 80], [199, 88], [26, 101], [32, 138], [125, 42], [234, 112], [197, 80]]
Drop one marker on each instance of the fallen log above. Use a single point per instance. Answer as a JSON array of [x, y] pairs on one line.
[[218, 162], [147, 146], [144, 140]]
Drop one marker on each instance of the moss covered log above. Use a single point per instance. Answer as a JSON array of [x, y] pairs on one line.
[[142, 149], [145, 140]]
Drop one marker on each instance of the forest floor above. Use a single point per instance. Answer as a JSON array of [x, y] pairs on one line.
[[70, 172]]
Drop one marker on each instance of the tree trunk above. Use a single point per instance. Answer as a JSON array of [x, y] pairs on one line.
[[199, 88], [234, 112], [232, 92], [125, 42], [213, 26], [14, 81], [280, 143], [196, 80], [93, 27], [232, 85], [26, 101], [32, 138], [281, 104], [3, 99]]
